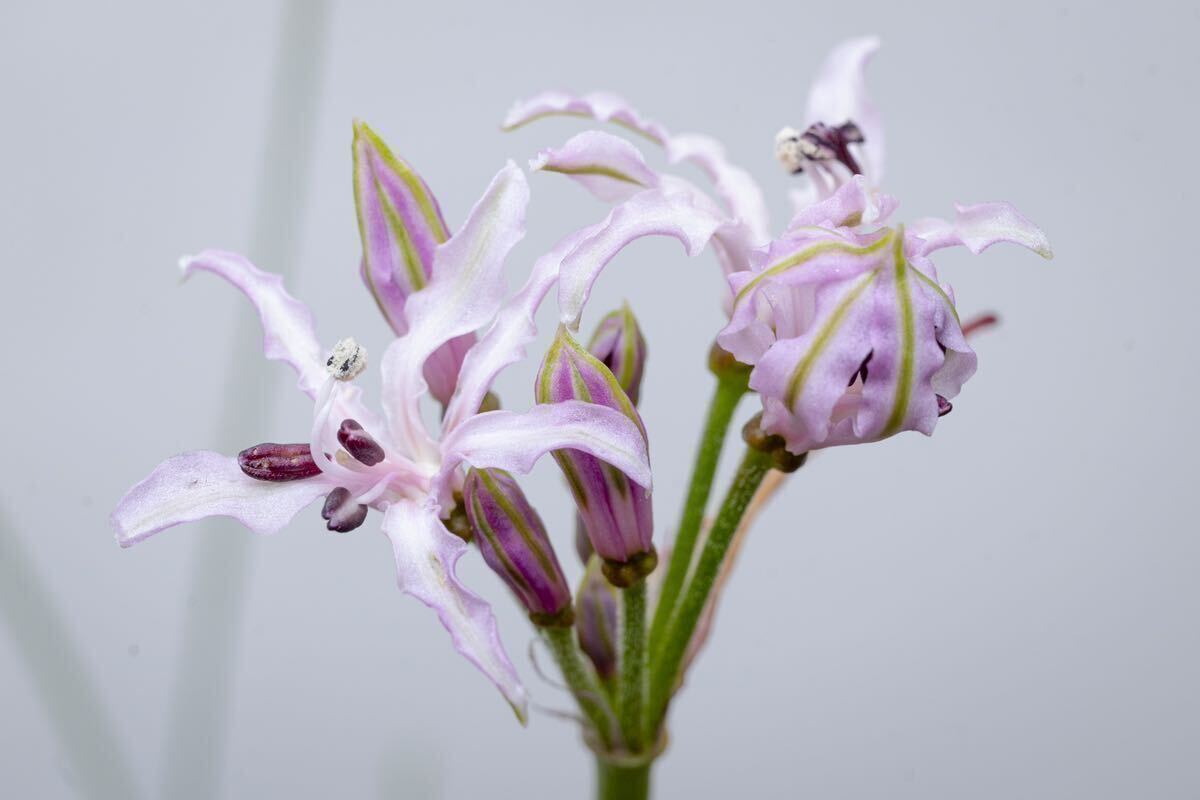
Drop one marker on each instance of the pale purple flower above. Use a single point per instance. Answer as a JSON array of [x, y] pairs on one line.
[[652, 203], [852, 336], [395, 465]]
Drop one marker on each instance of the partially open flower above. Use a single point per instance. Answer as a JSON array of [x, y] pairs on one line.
[[852, 336], [514, 544], [616, 511]]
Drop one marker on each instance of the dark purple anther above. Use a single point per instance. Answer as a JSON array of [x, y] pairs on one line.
[[342, 511], [278, 462], [944, 406], [359, 443]]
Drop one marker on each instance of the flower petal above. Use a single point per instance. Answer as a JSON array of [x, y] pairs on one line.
[[650, 213], [399, 222], [735, 186], [839, 94], [288, 333], [854, 204], [426, 555], [200, 484], [602, 106], [515, 441], [464, 293], [514, 328], [977, 227], [608, 166], [806, 376]]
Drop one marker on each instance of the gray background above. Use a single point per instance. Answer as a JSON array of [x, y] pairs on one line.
[[1007, 610]]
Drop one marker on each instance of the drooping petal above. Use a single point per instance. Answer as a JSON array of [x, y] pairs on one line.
[[735, 186], [464, 293], [200, 484], [607, 166], [399, 222], [515, 441], [650, 213], [426, 555], [839, 94], [977, 227], [506, 339], [602, 106], [288, 332]]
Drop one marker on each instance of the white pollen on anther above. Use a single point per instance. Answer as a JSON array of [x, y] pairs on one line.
[[347, 361], [787, 149]]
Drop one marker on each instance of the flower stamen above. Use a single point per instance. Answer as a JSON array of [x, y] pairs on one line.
[[359, 444], [342, 512], [347, 361], [278, 462]]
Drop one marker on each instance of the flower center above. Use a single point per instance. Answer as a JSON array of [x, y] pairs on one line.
[[820, 144]]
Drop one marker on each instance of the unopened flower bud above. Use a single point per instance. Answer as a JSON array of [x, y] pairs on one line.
[[596, 620], [620, 346], [615, 511], [515, 545]]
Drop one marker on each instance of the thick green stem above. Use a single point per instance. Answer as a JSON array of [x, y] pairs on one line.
[[632, 691], [622, 782], [582, 681], [664, 668], [731, 385]]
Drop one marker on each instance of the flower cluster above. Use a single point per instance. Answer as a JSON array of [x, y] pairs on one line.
[[839, 324]]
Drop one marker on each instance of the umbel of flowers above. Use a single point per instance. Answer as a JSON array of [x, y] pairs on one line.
[[839, 325]]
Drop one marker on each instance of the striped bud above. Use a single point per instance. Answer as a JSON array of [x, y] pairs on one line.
[[515, 545], [596, 620], [615, 511], [620, 346]]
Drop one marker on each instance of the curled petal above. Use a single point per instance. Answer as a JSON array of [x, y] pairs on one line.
[[200, 484], [651, 213], [506, 339], [602, 106], [399, 222], [465, 292], [515, 441], [839, 94], [854, 203], [978, 227], [736, 187], [607, 166], [288, 333], [426, 555]]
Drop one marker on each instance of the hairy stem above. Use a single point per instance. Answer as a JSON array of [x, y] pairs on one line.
[[664, 668], [729, 390], [632, 690], [582, 681]]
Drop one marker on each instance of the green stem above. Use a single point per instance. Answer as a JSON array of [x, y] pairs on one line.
[[622, 782], [632, 691], [669, 657], [582, 681], [731, 385]]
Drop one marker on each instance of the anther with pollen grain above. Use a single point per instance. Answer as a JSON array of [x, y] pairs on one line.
[[342, 512], [278, 462], [359, 443]]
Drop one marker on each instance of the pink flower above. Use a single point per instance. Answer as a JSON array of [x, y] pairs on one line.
[[395, 465]]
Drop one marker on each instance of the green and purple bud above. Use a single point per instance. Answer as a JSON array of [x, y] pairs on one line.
[[401, 227], [514, 544], [615, 511], [619, 344], [596, 620]]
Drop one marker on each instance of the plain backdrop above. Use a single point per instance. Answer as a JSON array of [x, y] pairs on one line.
[[1006, 610]]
